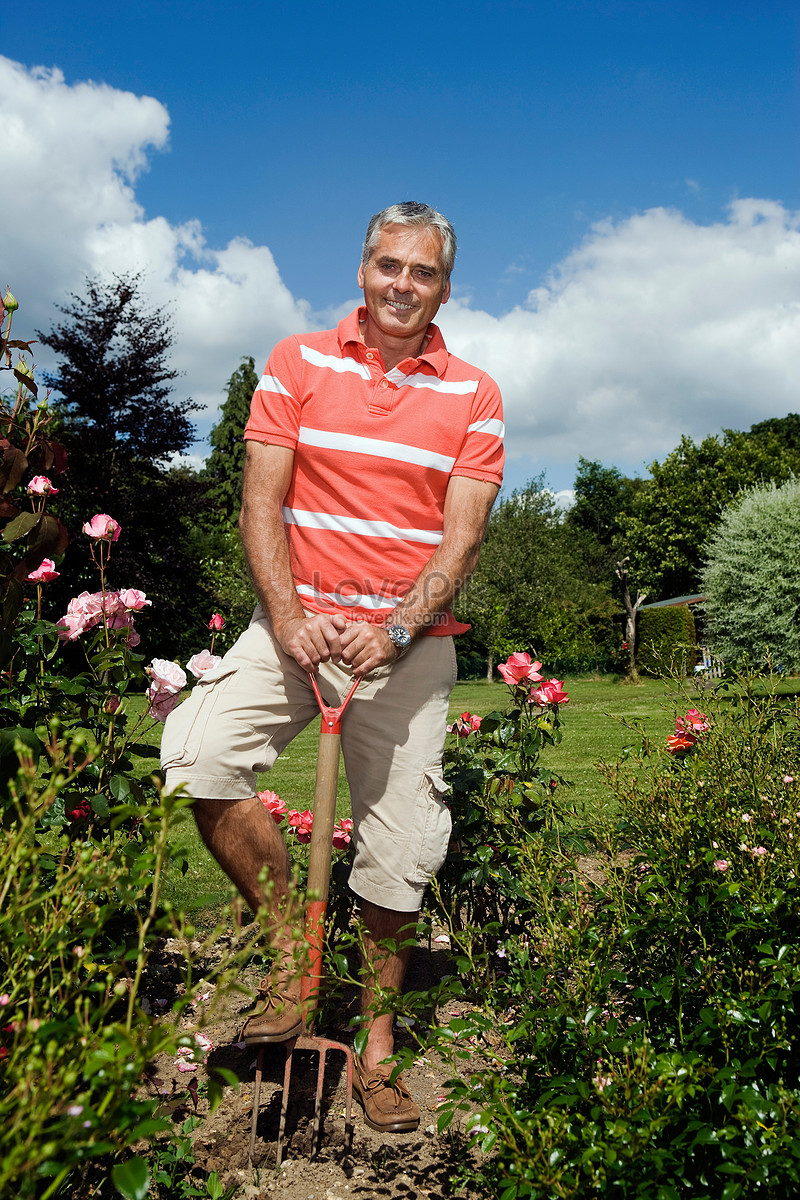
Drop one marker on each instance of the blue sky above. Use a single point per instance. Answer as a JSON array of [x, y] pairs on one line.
[[552, 135]]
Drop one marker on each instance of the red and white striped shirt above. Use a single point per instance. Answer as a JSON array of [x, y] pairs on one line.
[[374, 452]]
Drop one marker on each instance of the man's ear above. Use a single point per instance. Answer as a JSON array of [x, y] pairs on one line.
[[446, 292], [360, 276]]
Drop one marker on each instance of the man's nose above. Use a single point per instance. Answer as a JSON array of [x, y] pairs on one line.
[[402, 281]]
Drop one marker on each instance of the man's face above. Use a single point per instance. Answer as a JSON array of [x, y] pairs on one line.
[[403, 281]]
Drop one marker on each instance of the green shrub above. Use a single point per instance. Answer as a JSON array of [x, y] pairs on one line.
[[666, 640], [751, 576]]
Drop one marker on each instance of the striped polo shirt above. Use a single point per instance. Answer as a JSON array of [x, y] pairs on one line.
[[374, 452]]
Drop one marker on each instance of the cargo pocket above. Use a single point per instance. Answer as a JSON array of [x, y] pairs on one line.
[[430, 829], [186, 725]]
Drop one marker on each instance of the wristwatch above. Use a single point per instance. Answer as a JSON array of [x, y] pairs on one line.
[[400, 638]]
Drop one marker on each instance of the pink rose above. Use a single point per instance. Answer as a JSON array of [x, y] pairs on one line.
[[133, 599], [40, 485], [274, 805], [301, 823], [102, 527], [200, 664], [45, 573], [693, 722], [721, 864], [89, 606], [70, 627], [217, 622], [341, 833], [551, 692], [168, 676], [518, 668], [161, 702], [168, 680]]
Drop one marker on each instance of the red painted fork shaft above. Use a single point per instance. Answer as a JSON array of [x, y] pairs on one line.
[[319, 861]]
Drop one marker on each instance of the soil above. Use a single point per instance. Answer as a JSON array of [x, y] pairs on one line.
[[370, 1165]]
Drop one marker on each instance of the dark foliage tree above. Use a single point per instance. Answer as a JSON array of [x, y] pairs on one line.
[[602, 495], [531, 590], [121, 426], [225, 465], [114, 380], [786, 429], [672, 517]]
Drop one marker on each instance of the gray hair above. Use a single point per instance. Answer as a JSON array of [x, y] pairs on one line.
[[412, 213]]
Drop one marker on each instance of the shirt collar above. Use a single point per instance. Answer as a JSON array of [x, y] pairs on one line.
[[435, 354]]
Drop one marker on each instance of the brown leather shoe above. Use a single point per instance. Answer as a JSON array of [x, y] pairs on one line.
[[387, 1105], [281, 1017]]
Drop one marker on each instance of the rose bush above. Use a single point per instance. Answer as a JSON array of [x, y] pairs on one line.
[[639, 1012], [499, 793], [84, 847]]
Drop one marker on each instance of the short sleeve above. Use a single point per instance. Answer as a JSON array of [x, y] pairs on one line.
[[276, 404], [482, 455]]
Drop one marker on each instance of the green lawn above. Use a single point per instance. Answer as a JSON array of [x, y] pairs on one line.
[[594, 728]]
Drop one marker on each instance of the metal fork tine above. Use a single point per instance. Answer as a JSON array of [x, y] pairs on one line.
[[315, 1137], [287, 1077], [256, 1099]]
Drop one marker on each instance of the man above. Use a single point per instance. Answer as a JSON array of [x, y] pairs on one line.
[[373, 459]]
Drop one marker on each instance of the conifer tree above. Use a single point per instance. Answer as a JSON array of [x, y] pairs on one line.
[[121, 426], [225, 465]]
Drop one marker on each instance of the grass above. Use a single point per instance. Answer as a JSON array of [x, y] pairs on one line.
[[598, 723]]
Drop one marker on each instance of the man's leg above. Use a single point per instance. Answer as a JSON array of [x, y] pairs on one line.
[[385, 969], [388, 1106], [243, 838]]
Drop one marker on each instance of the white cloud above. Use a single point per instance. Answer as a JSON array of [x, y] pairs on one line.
[[653, 327], [71, 155]]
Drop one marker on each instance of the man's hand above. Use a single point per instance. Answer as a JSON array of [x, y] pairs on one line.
[[315, 639], [365, 647]]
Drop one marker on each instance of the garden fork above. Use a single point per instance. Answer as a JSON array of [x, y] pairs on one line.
[[319, 872]]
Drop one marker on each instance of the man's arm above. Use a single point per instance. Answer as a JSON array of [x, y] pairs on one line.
[[267, 475], [468, 504]]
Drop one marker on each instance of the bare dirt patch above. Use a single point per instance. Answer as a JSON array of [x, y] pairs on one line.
[[390, 1167]]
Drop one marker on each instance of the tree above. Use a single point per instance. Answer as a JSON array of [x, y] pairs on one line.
[[631, 613], [530, 590], [602, 495], [225, 465], [751, 578], [121, 426], [114, 380], [672, 517]]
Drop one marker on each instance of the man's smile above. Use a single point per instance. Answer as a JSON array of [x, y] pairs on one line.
[[400, 305]]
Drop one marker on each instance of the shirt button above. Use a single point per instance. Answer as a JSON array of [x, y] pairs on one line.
[[370, 354], [384, 383]]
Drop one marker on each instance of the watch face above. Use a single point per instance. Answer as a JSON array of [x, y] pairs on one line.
[[400, 636]]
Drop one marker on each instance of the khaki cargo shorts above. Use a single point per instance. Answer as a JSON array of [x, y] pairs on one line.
[[242, 714]]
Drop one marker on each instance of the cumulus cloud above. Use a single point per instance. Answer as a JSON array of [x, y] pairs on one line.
[[654, 327], [71, 156]]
